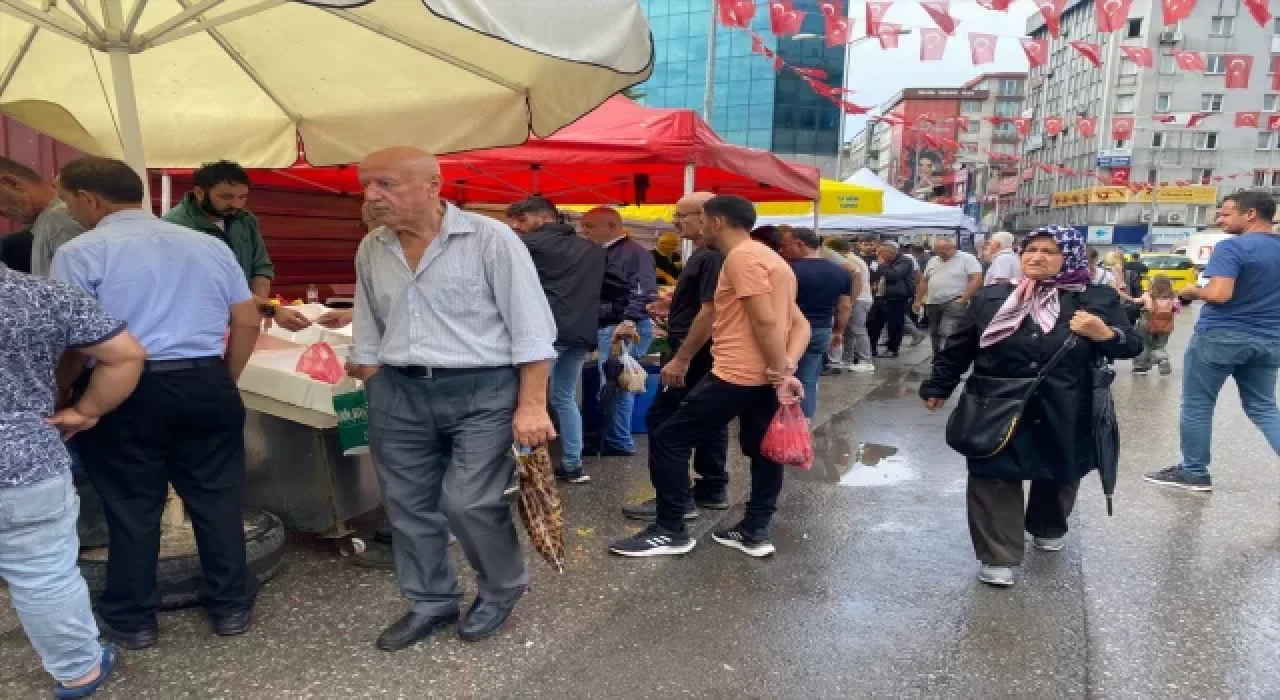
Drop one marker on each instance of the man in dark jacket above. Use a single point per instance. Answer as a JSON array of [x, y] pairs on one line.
[[571, 270], [894, 282], [622, 317]]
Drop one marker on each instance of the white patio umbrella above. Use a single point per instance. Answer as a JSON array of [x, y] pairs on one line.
[[175, 83]]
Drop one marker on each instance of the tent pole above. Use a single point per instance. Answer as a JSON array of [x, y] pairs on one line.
[[690, 170], [166, 193], [127, 113], [816, 228]]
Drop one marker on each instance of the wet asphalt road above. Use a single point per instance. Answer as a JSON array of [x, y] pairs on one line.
[[871, 595]]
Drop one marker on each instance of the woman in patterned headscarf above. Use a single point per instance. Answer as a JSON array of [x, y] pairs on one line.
[[1013, 331]]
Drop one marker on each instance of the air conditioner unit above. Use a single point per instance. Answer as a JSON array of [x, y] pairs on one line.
[[1174, 218], [1146, 217], [1170, 37]]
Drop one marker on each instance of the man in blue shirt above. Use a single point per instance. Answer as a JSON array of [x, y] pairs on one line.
[[178, 290], [824, 293], [1238, 335]]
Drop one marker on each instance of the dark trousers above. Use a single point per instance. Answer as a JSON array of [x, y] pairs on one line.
[[890, 314], [710, 406], [997, 518], [185, 427], [710, 454]]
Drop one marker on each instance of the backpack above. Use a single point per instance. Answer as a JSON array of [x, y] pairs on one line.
[[1160, 318]]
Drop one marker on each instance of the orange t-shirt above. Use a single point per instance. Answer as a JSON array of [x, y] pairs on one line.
[[749, 270]]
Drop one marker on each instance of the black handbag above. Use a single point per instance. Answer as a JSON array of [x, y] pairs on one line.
[[989, 410]]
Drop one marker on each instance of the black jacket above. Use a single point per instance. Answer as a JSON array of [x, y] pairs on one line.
[[571, 270], [1054, 441], [899, 278], [628, 261]]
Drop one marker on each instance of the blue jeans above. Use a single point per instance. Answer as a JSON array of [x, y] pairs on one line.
[[1212, 356], [618, 436], [810, 368], [566, 371], [38, 552]]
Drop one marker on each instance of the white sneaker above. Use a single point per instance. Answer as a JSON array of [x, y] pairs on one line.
[[861, 367], [1000, 576], [1048, 544]]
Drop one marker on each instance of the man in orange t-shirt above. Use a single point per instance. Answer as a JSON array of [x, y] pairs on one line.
[[757, 339]]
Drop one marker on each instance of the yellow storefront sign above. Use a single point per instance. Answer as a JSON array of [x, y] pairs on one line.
[[1169, 194]]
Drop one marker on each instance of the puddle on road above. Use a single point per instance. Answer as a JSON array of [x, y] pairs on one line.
[[869, 464]]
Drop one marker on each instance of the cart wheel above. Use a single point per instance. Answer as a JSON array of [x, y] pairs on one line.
[[178, 573]]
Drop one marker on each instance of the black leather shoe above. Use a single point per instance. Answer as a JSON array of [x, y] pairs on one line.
[[233, 624], [484, 619], [412, 628], [144, 638], [718, 501]]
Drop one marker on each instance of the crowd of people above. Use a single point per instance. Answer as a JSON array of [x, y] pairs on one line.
[[128, 333]]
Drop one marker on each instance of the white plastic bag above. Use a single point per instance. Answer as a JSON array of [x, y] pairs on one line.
[[633, 377]]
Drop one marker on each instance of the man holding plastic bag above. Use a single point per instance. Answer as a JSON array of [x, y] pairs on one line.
[[758, 336]]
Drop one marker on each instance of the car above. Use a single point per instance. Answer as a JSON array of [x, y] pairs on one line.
[[1180, 270]]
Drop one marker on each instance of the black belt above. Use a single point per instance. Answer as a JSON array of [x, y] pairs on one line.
[[420, 372], [178, 365]]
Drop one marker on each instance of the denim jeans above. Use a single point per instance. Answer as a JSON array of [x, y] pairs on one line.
[[565, 373], [38, 552], [1212, 356], [810, 368], [857, 344], [618, 436]]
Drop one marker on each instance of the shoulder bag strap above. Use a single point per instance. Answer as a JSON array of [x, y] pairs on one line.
[[1053, 361]]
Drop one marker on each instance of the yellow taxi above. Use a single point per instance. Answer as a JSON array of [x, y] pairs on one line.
[[1178, 268]]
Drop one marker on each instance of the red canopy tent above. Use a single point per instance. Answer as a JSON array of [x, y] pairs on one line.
[[621, 153]]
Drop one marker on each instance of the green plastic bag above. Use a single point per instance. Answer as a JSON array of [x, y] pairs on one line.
[[352, 410]]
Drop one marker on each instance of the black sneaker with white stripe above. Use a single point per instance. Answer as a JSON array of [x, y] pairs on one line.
[[653, 541], [745, 542]]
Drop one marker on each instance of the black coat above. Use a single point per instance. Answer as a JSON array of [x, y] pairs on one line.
[[1054, 441], [571, 270], [899, 278]]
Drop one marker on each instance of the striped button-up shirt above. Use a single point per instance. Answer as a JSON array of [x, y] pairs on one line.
[[474, 301]]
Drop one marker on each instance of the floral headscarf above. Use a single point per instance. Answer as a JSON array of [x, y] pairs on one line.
[[1039, 299]]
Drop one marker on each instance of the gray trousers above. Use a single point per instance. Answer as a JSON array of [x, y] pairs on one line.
[[857, 343], [442, 447], [998, 517], [944, 320]]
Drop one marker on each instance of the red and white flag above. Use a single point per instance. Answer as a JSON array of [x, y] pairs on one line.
[[784, 19], [1121, 128], [1239, 66], [1189, 60], [1023, 125], [1086, 126], [982, 48], [1275, 81], [962, 125], [1141, 57], [1037, 51], [1187, 119], [831, 8], [933, 43], [875, 14], [1273, 122], [736, 13], [1053, 125], [853, 109], [1091, 52], [810, 73], [1176, 10], [888, 33], [1051, 10], [997, 5], [1247, 120], [1261, 14], [838, 29], [940, 11], [1112, 15]]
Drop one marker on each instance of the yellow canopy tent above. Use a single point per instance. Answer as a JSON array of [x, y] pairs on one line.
[[837, 198]]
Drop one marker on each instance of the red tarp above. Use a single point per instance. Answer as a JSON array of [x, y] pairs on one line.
[[621, 153]]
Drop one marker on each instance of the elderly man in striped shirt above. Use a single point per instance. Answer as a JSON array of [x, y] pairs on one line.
[[454, 339]]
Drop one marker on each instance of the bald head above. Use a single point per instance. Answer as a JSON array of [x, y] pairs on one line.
[[602, 225], [688, 215], [401, 188]]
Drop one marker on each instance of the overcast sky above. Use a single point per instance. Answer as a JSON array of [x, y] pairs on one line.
[[878, 74]]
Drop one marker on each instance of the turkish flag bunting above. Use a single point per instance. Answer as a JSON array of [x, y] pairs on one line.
[[832, 8], [851, 108], [1273, 123], [1091, 52], [1239, 66], [933, 43], [815, 73], [1187, 119], [940, 11], [962, 125], [982, 48], [838, 30], [888, 33], [1275, 80], [993, 120], [875, 14], [1176, 10], [784, 20], [1258, 8], [1053, 125], [758, 46], [1121, 128], [1113, 15], [1037, 51], [736, 13], [997, 5], [1140, 56], [1246, 120], [1051, 10], [1086, 126], [1189, 60], [1023, 125]]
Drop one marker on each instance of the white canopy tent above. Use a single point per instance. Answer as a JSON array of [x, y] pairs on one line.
[[901, 213]]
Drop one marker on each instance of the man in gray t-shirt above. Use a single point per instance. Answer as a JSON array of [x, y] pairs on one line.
[[30, 200], [949, 280]]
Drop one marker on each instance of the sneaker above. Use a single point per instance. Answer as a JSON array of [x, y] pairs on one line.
[[717, 502], [1048, 544], [1180, 478], [1165, 369], [108, 663], [743, 541], [648, 510], [573, 476], [998, 576], [833, 371], [890, 354], [653, 541], [1141, 370], [862, 367]]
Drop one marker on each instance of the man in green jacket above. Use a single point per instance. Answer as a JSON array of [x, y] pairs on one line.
[[216, 206]]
